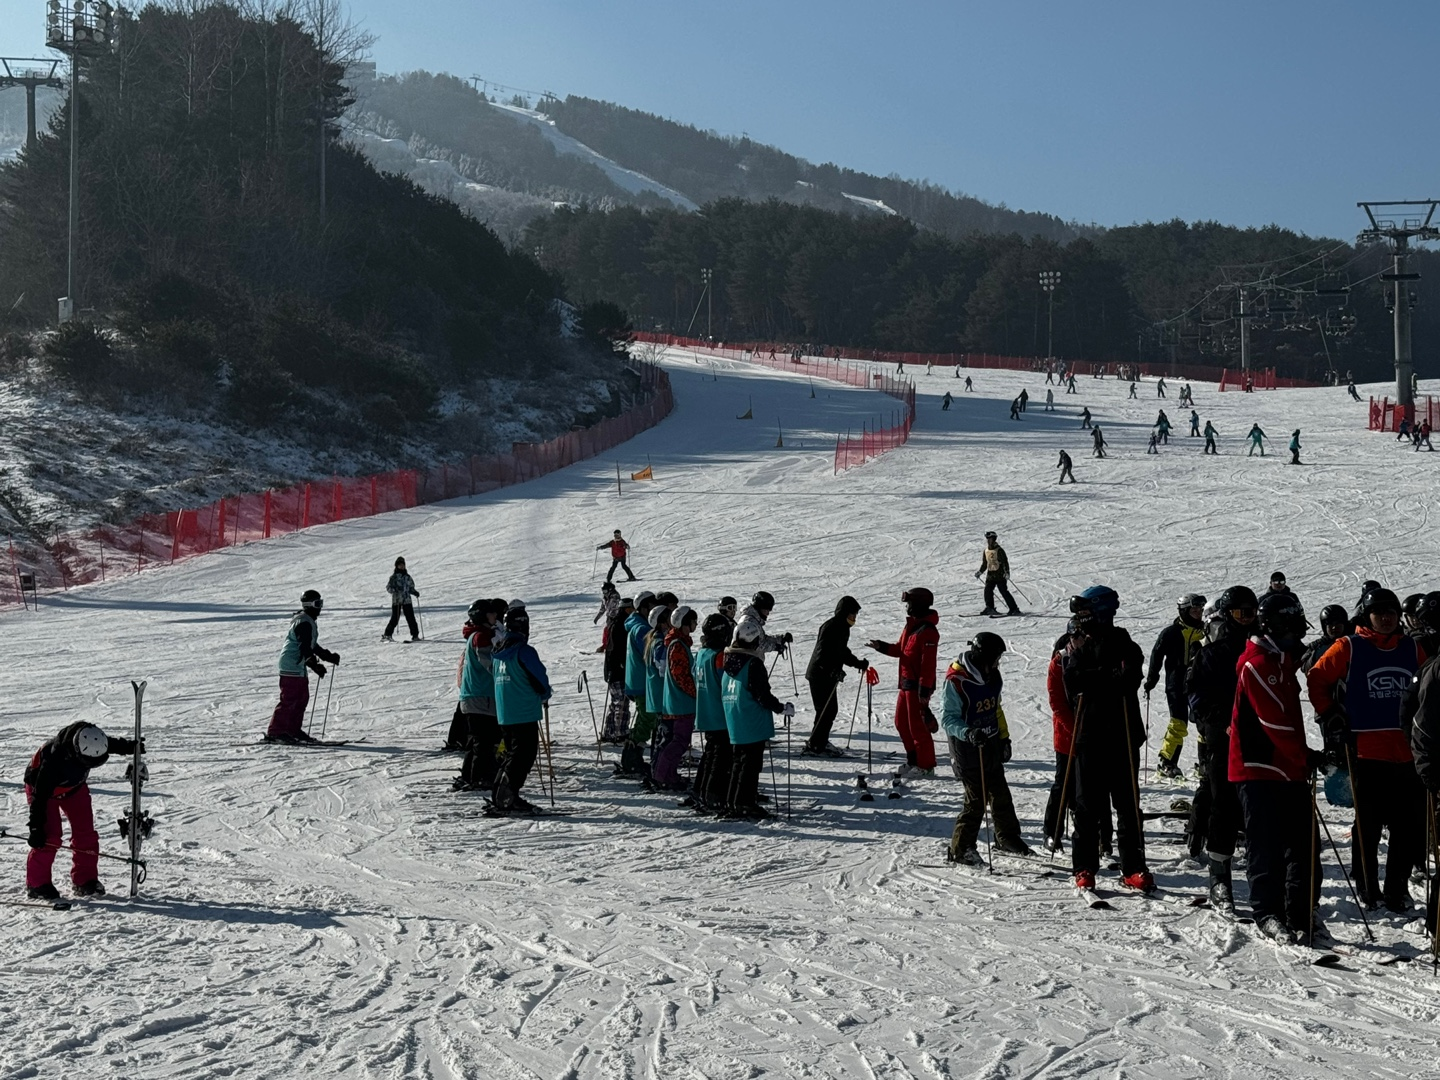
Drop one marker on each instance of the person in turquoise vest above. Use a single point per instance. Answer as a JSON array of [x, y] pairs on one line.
[[477, 697], [521, 690], [655, 682], [1295, 447], [712, 777], [637, 629], [302, 651], [979, 748], [749, 718], [677, 702]]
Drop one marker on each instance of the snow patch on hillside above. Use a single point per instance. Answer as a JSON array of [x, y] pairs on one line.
[[629, 179], [872, 204]]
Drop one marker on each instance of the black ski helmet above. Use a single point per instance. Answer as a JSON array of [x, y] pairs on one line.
[[763, 601], [1378, 600], [1239, 598], [311, 602], [1094, 607], [475, 616], [517, 621], [717, 631], [1427, 614], [1282, 618], [985, 650], [1336, 616], [669, 599], [918, 600], [1411, 606]]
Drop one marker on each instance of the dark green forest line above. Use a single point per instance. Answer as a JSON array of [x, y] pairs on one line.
[[208, 271], [1150, 292]]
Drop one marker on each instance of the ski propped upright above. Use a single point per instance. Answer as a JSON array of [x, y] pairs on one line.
[[136, 824]]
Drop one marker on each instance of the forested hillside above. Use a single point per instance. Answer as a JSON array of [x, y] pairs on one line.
[[1149, 291], [209, 271]]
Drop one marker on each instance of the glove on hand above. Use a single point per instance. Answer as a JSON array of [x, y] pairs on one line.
[[788, 638], [979, 736], [789, 710], [36, 839], [864, 665], [319, 669], [932, 725], [1005, 751]]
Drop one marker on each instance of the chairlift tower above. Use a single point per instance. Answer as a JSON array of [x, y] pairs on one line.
[[77, 28], [31, 74], [1400, 221]]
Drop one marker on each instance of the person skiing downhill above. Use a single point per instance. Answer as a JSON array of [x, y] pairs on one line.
[[1269, 764], [1049, 400], [1101, 668], [995, 565], [945, 402], [969, 383], [919, 642], [974, 723], [56, 784], [1295, 447], [1172, 652], [1097, 439], [302, 650], [401, 588], [1257, 440], [522, 687], [1194, 423], [1210, 434], [826, 671], [619, 556], [1065, 465], [1085, 418]]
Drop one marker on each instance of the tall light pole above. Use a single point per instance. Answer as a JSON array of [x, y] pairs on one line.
[[1049, 279], [705, 276], [1400, 228], [77, 28]]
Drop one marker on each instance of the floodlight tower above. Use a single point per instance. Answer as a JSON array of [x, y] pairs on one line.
[[1049, 279], [1401, 221], [78, 28]]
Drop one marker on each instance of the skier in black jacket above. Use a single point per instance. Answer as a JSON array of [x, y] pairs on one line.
[[55, 784], [1424, 701], [617, 709], [826, 670], [1215, 811], [1172, 651], [1102, 668], [1334, 624]]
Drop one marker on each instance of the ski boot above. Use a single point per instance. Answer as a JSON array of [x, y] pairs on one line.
[[1084, 879], [1013, 845], [43, 892], [968, 857], [1167, 769], [91, 888], [1141, 882], [1274, 928]]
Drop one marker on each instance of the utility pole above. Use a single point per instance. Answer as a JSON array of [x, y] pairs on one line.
[[76, 27], [1049, 279], [1400, 228]]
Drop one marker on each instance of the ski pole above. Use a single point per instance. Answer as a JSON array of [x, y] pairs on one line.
[[325, 720], [419, 618], [1430, 851], [1132, 764], [774, 784], [310, 724], [7, 835], [595, 564], [793, 681], [985, 809], [1359, 836], [1349, 884], [594, 723], [1065, 784], [1147, 732], [1021, 592], [1314, 859], [869, 713], [854, 712], [549, 757], [789, 768]]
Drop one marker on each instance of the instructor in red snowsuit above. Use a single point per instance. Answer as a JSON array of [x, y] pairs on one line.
[[917, 648]]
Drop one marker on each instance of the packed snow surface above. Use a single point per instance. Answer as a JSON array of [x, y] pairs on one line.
[[341, 913]]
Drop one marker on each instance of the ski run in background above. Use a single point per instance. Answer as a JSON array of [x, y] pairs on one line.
[[342, 913]]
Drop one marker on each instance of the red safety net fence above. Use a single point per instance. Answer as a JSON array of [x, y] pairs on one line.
[[1386, 415], [108, 551], [785, 356]]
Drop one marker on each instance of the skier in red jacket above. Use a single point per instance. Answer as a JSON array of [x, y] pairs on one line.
[[619, 553], [919, 642], [1270, 766]]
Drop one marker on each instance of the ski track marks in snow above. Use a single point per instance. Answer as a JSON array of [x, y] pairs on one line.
[[342, 913]]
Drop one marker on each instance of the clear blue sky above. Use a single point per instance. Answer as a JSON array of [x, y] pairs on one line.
[[1286, 111]]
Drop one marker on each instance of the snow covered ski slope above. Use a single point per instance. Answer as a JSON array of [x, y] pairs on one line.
[[341, 912]]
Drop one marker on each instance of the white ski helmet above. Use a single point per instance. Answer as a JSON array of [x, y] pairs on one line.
[[90, 742]]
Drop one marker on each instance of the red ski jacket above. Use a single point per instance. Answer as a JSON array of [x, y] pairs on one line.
[[1062, 715], [918, 645], [1267, 726], [618, 548]]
